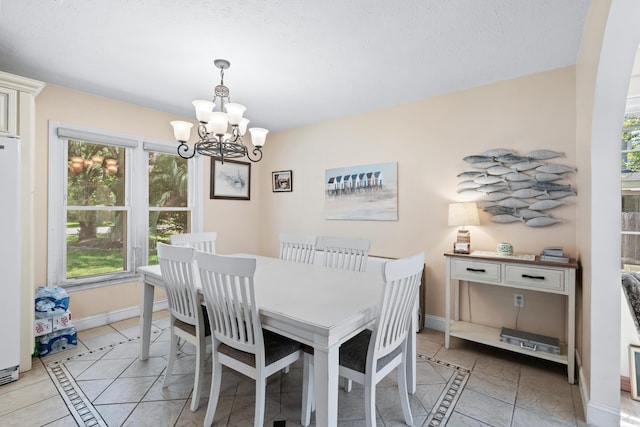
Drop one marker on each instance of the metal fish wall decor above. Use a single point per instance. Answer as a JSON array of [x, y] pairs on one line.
[[515, 188]]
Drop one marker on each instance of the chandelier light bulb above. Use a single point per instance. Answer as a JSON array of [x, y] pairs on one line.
[[77, 164], [97, 160]]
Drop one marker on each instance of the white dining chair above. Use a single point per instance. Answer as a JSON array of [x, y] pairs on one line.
[[203, 241], [344, 252], [188, 318], [372, 354], [239, 342], [297, 247]]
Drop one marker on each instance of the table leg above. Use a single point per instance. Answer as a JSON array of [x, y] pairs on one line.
[[146, 311], [325, 365]]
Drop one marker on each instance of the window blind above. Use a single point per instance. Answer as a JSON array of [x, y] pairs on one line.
[[160, 147], [89, 136]]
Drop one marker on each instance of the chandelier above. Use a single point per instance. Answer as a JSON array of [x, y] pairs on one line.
[[220, 132]]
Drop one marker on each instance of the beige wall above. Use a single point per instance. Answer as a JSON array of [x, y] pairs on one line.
[[237, 222], [428, 140], [533, 112]]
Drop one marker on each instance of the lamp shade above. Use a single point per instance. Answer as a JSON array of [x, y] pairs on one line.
[[235, 112], [242, 127], [463, 214], [203, 109], [218, 122], [181, 130], [258, 136]]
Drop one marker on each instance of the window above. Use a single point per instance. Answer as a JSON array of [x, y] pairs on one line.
[[111, 199], [631, 192], [168, 195]]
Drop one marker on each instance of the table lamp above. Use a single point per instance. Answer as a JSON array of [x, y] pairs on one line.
[[463, 214]]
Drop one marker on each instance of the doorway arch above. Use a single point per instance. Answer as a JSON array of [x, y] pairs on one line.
[[603, 76]]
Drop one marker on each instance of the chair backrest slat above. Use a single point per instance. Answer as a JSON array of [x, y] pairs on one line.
[[399, 296], [297, 247], [203, 241], [229, 294], [344, 253], [178, 274]]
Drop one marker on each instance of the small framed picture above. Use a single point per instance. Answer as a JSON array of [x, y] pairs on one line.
[[461, 248], [230, 179], [634, 370], [281, 181]]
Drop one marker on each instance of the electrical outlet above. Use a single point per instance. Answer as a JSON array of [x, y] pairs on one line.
[[518, 300]]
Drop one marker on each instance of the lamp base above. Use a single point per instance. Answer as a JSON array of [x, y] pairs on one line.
[[461, 248], [464, 236]]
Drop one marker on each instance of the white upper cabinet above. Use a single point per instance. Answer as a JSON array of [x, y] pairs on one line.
[[17, 96], [8, 111]]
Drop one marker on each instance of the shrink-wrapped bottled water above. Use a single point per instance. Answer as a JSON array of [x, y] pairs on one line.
[[56, 341]]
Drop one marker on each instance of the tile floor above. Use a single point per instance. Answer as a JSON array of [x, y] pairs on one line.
[[503, 389]]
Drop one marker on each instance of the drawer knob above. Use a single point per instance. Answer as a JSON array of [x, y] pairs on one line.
[[476, 270], [528, 276]]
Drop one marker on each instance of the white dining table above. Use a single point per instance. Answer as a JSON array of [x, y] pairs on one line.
[[315, 305]]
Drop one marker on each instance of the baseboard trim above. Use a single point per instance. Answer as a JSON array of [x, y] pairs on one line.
[[434, 322], [582, 384], [114, 316], [598, 414], [431, 322], [595, 413]]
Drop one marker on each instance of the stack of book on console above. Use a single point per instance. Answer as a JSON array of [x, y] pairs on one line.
[[554, 254]]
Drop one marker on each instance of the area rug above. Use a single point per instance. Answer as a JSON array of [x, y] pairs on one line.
[[86, 414]]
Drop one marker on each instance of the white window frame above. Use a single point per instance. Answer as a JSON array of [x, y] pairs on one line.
[[136, 201], [633, 106]]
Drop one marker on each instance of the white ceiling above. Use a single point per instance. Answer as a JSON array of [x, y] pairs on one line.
[[292, 62]]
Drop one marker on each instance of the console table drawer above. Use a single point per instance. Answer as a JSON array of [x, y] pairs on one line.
[[535, 278], [475, 270]]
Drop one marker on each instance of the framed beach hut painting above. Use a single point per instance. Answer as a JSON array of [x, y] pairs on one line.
[[366, 193]]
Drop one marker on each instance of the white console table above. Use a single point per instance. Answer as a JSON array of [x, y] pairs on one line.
[[535, 275]]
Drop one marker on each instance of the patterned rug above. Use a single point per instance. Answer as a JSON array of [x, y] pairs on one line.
[[86, 414]]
